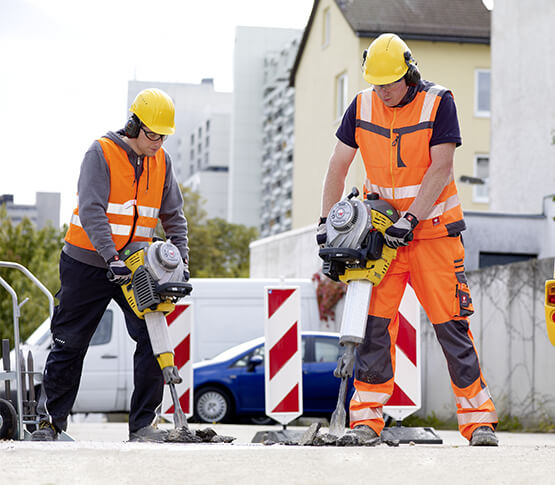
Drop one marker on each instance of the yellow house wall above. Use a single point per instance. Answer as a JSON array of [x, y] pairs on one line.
[[315, 98], [449, 64]]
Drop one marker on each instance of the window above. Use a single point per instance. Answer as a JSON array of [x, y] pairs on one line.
[[492, 259], [340, 95], [103, 333], [207, 125], [243, 361], [326, 28], [482, 97], [326, 350], [481, 170]]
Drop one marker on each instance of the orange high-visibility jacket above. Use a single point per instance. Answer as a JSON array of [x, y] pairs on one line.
[[394, 143], [133, 206]]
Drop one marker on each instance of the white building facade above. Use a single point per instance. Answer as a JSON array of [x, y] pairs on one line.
[[193, 103], [278, 141], [208, 162], [252, 46]]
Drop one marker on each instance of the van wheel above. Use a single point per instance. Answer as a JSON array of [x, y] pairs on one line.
[[212, 405]]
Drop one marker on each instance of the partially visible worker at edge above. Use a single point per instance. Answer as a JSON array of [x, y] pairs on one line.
[[407, 131], [126, 185]]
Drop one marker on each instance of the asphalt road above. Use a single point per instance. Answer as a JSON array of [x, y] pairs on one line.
[[100, 455]]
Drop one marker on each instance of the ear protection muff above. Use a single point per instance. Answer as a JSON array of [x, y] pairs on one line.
[[412, 76], [132, 127]]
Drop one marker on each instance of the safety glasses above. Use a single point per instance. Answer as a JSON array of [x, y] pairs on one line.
[[153, 136]]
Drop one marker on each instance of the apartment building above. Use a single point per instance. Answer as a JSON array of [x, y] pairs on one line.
[[208, 162], [192, 103], [278, 141]]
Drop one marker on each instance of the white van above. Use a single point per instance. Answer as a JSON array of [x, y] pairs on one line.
[[227, 311]]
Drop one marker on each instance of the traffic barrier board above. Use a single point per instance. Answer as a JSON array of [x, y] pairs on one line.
[[283, 353], [180, 328]]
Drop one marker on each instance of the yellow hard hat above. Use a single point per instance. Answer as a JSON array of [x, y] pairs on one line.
[[387, 60], [156, 110]]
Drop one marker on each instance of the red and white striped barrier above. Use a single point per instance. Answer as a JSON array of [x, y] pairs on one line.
[[283, 353], [180, 328], [406, 397]]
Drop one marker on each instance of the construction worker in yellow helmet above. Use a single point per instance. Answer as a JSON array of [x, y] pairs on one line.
[[126, 185], [407, 130]]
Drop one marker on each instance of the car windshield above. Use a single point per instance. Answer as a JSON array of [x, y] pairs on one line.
[[237, 350]]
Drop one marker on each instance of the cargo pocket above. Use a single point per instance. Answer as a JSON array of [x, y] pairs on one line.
[[463, 301]]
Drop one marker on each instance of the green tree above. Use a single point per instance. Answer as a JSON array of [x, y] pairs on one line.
[[217, 249], [37, 250]]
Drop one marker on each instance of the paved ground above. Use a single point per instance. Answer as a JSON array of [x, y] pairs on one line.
[[100, 455]]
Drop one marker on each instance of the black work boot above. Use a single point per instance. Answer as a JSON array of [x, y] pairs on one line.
[[365, 435], [46, 432], [364, 430], [483, 436], [149, 434]]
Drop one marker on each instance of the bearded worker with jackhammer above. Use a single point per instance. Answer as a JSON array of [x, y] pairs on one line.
[[126, 185], [407, 130]]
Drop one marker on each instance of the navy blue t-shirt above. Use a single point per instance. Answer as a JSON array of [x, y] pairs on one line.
[[445, 130]]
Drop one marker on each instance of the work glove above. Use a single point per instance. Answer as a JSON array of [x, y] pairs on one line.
[[400, 233], [186, 274], [321, 235], [118, 273]]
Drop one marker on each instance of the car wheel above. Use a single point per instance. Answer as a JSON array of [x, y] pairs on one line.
[[212, 405]]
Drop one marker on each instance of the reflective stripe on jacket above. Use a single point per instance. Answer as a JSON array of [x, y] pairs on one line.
[[394, 143], [133, 207]]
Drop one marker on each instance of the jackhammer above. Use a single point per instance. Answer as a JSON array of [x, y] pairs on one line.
[[355, 253], [156, 285]]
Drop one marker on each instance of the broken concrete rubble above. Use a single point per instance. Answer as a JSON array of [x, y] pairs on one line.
[[313, 437], [206, 435]]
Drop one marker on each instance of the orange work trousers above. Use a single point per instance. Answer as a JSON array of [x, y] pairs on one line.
[[435, 270]]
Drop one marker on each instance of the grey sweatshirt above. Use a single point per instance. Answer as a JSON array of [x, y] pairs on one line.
[[94, 188]]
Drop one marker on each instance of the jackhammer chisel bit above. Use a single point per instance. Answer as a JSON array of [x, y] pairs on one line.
[[343, 371]]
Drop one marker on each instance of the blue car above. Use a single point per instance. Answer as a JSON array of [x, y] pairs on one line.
[[230, 386]]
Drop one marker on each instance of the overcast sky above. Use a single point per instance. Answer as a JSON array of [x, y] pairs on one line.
[[64, 68]]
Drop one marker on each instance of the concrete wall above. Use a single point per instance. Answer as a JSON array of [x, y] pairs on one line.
[[523, 105], [450, 64], [509, 331]]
